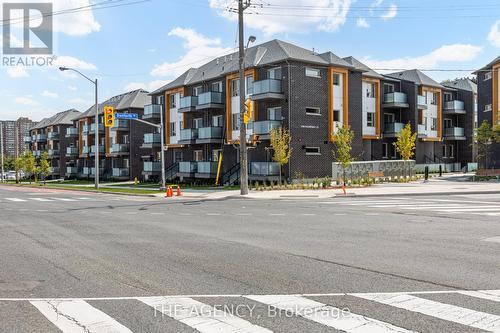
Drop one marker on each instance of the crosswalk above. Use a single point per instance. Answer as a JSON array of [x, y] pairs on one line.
[[322, 312], [422, 205], [43, 199]]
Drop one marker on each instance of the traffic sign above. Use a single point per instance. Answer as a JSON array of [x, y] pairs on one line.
[[126, 116], [109, 116]]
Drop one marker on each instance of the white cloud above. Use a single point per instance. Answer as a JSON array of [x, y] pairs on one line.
[[291, 15], [445, 53], [25, 101], [17, 72], [199, 50], [49, 94], [362, 23], [79, 101], [391, 13], [67, 61], [134, 86], [494, 35], [151, 86], [72, 88]]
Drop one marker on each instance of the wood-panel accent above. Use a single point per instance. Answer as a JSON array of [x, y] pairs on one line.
[[439, 111], [166, 124], [80, 136], [345, 111], [377, 109], [495, 108]]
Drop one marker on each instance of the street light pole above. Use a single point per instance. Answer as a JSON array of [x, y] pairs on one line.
[[95, 83], [162, 152], [1, 152]]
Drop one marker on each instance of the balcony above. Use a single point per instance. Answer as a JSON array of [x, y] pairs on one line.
[[421, 131], [92, 172], [264, 128], [152, 111], [210, 100], [121, 125], [207, 169], [209, 135], [93, 150], [392, 129], [421, 102], [92, 128], [86, 171], [70, 171], [395, 100], [119, 148], [121, 173], [71, 132], [151, 140], [267, 89], [53, 153], [263, 170], [53, 136], [55, 171], [188, 103], [41, 138], [85, 129], [188, 168], [72, 151], [33, 138], [85, 150], [454, 107], [454, 134], [37, 153], [150, 168], [189, 135], [27, 139]]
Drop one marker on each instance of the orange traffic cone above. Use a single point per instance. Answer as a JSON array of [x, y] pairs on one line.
[[166, 192], [179, 191], [171, 192]]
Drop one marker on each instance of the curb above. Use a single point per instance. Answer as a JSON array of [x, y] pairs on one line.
[[84, 190], [417, 194]]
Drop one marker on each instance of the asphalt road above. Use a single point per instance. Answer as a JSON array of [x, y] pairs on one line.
[[83, 262]]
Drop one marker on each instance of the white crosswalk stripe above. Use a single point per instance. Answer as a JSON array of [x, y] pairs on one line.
[[15, 199], [78, 316], [44, 199]]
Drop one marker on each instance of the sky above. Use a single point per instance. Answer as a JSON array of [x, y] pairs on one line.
[[132, 44]]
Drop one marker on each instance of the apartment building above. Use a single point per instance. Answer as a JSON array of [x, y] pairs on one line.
[[488, 80], [119, 147], [14, 132], [48, 135]]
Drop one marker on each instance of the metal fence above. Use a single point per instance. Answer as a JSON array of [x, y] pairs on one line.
[[356, 170]]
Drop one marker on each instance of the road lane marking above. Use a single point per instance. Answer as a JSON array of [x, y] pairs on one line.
[[200, 316], [15, 199], [326, 315], [63, 199], [42, 199], [476, 209], [277, 214], [492, 295], [78, 316], [456, 314]]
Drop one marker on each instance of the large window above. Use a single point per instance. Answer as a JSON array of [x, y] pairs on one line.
[[448, 123], [432, 96], [159, 100], [370, 119], [385, 150], [236, 121], [197, 122], [370, 90], [336, 115], [388, 88], [336, 79], [274, 73], [448, 97], [313, 151], [198, 155], [249, 85], [313, 111], [274, 113], [313, 72], [197, 91], [434, 124], [173, 101], [172, 129], [488, 108], [488, 76], [215, 155], [235, 87], [178, 156], [217, 121], [217, 86]]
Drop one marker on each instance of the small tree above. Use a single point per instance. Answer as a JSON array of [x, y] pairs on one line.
[[343, 148], [18, 166], [484, 137], [405, 144], [44, 166], [29, 165], [280, 142]]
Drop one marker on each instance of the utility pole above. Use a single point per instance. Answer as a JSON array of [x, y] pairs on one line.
[[243, 127], [1, 152], [96, 138]]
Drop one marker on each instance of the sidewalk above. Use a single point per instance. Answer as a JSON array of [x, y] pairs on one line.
[[446, 185]]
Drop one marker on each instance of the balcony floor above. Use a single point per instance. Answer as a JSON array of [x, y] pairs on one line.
[[265, 96], [395, 105]]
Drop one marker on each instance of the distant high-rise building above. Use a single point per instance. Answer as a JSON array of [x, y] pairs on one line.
[[14, 132]]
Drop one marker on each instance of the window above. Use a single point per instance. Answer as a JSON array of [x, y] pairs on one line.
[[370, 90], [181, 124], [274, 73], [448, 97], [215, 155], [488, 76], [313, 72], [197, 122], [388, 88], [198, 156], [159, 100], [451, 151], [336, 79], [313, 111], [235, 87], [434, 124], [217, 121], [172, 129], [274, 113], [249, 85], [178, 156], [394, 152], [217, 86], [385, 150], [197, 91], [433, 98], [388, 118], [488, 107], [236, 121], [445, 150], [370, 119], [173, 101], [313, 151], [336, 115], [448, 123]]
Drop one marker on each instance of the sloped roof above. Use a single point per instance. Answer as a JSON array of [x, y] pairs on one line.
[[490, 65], [264, 54], [462, 84], [360, 66], [133, 99], [414, 75], [61, 118]]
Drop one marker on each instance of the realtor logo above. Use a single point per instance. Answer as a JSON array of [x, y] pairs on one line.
[[27, 29]]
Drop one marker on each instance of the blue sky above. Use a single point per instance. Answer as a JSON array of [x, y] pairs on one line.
[[149, 43]]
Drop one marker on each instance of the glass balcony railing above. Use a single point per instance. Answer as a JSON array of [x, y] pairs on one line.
[[71, 151], [152, 111], [210, 133], [151, 138], [27, 139], [265, 127], [101, 149], [210, 97], [189, 134], [120, 172], [71, 170], [395, 97], [101, 171], [454, 105], [86, 170], [92, 128], [71, 131], [188, 167], [119, 148], [267, 86], [421, 129], [189, 102], [421, 100], [85, 150], [53, 152], [454, 131], [152, 166], [41, 137], [85, 129], [393, 128], [33, 137], [207, 167], [264, 169], [55, 170], [37, 153], [121, 124], [53, 136]]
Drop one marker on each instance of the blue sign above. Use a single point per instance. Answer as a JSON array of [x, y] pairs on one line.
[[126, 116]]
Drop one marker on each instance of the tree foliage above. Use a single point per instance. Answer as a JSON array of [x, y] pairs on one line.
[[29, 165], [44, 166], [280, 142], [486, 135], [343, 147], [18, 166], [406, 142]]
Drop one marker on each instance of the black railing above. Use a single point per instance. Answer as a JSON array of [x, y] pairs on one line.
[[171, 171], [232, 176]]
